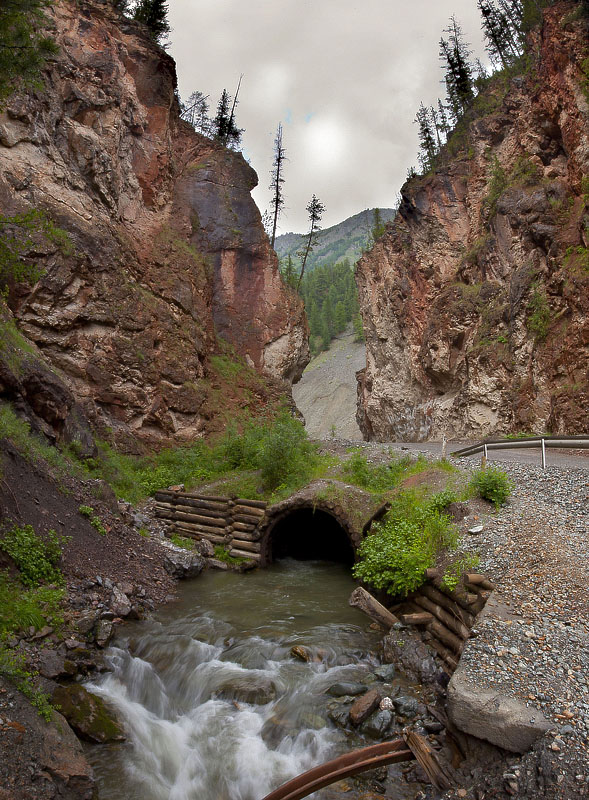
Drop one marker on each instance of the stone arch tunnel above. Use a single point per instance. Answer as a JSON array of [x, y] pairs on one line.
[[326, 520]]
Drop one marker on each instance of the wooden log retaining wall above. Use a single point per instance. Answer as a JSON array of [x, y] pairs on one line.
[[445, 617], [230, 522]]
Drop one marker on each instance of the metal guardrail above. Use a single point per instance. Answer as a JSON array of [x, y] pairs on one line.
[[541, 442]]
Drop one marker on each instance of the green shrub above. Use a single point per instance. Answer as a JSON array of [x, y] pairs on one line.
[[35, 558], [396, 553], [492, 483], [285, 453]]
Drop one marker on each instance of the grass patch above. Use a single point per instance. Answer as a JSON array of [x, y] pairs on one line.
[[31, 446], [379, 478], [222, 554], [398, 550], [182, 541]]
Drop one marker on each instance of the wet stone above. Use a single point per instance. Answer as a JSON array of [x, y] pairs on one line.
[[377, 725], [342, 689], [364, 706], [407, 706], [386, 672]]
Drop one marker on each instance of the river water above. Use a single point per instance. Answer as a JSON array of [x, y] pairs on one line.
[[215, 705]]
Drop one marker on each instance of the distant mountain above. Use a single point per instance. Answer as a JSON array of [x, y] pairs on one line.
[[345, 240]]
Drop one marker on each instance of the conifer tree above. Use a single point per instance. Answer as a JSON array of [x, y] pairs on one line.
[[196, 112], [224, 128], [153, 14], [24, 47], [315, 209], [277, 179], [427, 141], [455, 54]]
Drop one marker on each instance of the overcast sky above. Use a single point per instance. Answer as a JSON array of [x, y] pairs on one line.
[[345, 78]]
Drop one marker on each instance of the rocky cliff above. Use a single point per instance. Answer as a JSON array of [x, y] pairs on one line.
[[168, 260], [476, 302]]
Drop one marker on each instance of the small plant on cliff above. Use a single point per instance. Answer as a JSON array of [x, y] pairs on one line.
[[493, 484], [19, 235], [538, 319], [95, 521], [398, 550]]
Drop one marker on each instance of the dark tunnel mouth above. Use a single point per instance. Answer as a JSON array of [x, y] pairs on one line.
[[308, 534]]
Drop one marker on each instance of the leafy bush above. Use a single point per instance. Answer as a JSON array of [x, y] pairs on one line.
[[35, 558], [396, 553], [491, 483]]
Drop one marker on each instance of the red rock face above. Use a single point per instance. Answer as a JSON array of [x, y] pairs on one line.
[[169, 250], [476, 301]]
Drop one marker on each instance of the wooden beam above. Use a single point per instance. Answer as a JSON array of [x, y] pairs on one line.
[[363, 600]]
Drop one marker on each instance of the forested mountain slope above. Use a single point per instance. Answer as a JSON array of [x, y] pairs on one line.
[[346, 240]]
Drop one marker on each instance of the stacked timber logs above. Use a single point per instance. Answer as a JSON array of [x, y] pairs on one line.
[[230, 522], [447, 615]]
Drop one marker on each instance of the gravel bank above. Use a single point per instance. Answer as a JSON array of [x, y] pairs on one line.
[[533, 641]]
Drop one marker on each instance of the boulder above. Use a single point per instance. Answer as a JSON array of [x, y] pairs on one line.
[[54, 665], [62, 758], [87, 714], [386, 672], [86, 622], [403, 647], [104, 632], [257, 690], [183, 563], [407, 706], [489, 715], [120, 603]]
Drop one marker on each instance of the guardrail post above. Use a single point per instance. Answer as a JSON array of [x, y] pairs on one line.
[[543, 455], [484, 458]]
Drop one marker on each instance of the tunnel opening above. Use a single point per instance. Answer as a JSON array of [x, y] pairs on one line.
[[307, 534]]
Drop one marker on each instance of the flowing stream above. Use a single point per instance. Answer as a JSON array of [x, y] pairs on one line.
[[215, 705]]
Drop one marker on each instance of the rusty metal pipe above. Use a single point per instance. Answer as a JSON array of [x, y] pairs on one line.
[[353, 763]]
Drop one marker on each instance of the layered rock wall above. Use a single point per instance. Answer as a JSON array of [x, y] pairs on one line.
[[476, 300], [168, 250]]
